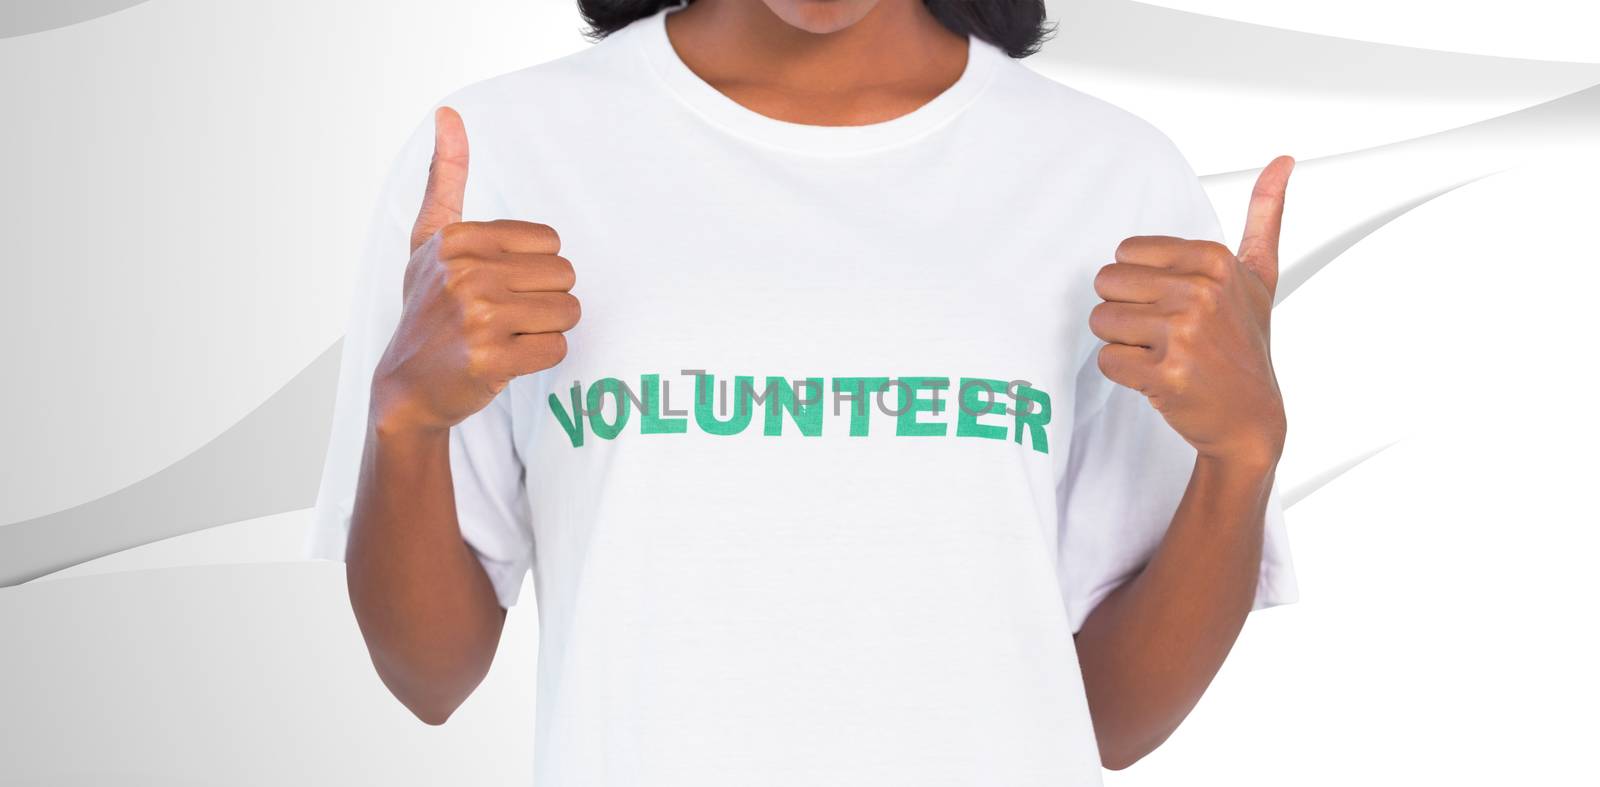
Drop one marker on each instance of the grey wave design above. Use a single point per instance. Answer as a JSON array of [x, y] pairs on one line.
[[21, 17], [1495, 145], [271, 461], [1319, 258], [1172, 45], [1308, 487], [268, 463]]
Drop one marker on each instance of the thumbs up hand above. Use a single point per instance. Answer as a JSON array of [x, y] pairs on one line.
[[1187, 324], [484, 302]]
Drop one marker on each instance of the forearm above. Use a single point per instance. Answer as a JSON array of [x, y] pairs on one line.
[[424, 604], [1149, 650]]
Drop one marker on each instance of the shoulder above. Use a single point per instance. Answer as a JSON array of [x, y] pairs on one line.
[[595, 73], [556, 101], [1086, 143], [1077, 126], [1091, 152]]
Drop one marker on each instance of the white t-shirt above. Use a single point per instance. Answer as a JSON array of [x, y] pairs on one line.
[[840, 477]]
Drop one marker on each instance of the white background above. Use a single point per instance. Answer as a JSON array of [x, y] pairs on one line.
[[187, 182]]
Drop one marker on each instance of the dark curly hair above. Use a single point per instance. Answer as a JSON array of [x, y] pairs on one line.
[[1016, 26]]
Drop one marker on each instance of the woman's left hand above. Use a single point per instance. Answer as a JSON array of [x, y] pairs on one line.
[[1187, 323]]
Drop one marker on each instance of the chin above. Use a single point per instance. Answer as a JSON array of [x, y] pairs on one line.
[[821, 16]]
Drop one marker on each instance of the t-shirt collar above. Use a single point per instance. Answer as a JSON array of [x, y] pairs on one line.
[[650, 38]]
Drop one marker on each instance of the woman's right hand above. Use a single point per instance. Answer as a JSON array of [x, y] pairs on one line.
[[484, 302]]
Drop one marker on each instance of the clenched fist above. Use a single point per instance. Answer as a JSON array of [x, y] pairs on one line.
[[484, 302], [1187, 324]]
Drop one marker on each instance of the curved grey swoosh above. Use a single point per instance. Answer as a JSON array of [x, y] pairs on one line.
[[1563, 120], [268, 463], [1495, 144], [1169, 45], [1329, 250], [21, 17], [1306, 488], [271, 461]]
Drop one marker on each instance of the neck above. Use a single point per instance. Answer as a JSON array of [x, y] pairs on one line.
[[895, 58]]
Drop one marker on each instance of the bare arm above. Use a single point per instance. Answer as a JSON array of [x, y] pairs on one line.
[[484, 302], [1150, 649], [424, 604], [1187, 324]]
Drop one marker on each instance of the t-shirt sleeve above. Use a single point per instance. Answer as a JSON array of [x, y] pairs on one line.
[[1127, 469], [485, 468], [491, 500]]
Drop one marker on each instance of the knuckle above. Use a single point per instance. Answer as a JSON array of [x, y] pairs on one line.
[[453, 239], [1223, 269], [1204, 292], [1097, 317], [1213, 249], [544, 235], [481, 362], [480, 315], [550, 349], [562, 271], [1103, 277], [1105, 361], [1174, 375], [460, 279], [1216, 259], [571, 309], [1144, 247], [576, 311], [1180, 332], [555, 237]]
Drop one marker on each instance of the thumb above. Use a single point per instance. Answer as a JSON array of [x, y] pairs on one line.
[[447, 177], [1258, 246]]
